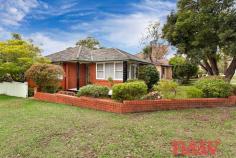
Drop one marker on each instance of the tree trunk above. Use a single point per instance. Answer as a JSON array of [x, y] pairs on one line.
[[213, 64], [229, 73], [225, 63], [207, 67], [204, 67]]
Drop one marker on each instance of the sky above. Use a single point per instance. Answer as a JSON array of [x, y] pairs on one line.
[[55, 25]]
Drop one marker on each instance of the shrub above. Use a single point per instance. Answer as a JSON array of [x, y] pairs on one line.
[[183, 70], [46, 76], [166, 88], [149, 75], [129, 90], [214, 87], [193, 92], [133, 80], [93, 91], [50, 88]]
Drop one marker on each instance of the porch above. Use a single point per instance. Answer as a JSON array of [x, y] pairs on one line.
[[79, 74]]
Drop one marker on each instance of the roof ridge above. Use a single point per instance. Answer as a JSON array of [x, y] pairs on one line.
[[54, 53], [126, 53], [121, 52], [91, 55]]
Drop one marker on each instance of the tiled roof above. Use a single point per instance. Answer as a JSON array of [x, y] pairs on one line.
[[84, 54], [161, 62]]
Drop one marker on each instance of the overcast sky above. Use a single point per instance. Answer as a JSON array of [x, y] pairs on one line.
[[57, 24]]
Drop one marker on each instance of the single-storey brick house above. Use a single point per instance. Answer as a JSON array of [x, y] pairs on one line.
[[84, 66]]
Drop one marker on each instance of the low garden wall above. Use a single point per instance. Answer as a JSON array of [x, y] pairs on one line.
[[137, 105]]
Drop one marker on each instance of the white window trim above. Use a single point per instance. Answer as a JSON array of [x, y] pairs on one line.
[[104, 70], [118, 79]]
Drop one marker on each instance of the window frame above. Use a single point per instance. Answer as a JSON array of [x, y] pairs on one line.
[[103, 66], [114, 69], [118, 79]]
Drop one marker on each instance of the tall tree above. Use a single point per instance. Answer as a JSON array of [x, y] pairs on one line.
[[16, 36], [154, 52], [201, 28], [16, 56], [153, 49], [89, 42]]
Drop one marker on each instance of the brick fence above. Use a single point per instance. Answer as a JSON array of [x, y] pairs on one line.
[[136, 105]]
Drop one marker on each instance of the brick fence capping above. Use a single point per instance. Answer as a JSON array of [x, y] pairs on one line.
[[136, 105]]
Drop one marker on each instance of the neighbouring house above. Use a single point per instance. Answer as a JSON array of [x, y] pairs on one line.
[[84, 66], [164, 68], [162, 65]]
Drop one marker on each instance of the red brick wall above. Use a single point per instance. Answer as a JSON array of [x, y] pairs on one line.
[[92, 103], [93, 80], [31, 84], [137, 105]]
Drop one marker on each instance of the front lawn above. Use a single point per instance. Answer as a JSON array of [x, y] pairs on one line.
[[31, 128]]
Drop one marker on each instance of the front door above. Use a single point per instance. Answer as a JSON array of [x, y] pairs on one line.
[[82, 73]]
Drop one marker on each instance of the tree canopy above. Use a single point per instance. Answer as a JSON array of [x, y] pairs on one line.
[[200, 29], [89, 42], [16, 56]]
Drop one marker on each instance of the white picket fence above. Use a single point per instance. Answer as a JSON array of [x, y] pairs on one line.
[[16, 89]]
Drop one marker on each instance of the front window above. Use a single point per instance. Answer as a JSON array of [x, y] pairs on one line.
[[118, 71], [132, 70], [109, 70], [106, 70], [100, 71]]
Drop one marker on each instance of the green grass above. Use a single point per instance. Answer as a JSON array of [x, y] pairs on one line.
[[181, 92], [31, 128]]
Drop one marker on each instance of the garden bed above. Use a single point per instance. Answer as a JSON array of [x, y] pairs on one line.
[[136, 105]]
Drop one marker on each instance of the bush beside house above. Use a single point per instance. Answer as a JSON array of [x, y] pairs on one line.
[[95, 91], [129, 90], [149, 75], [46, 76]]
